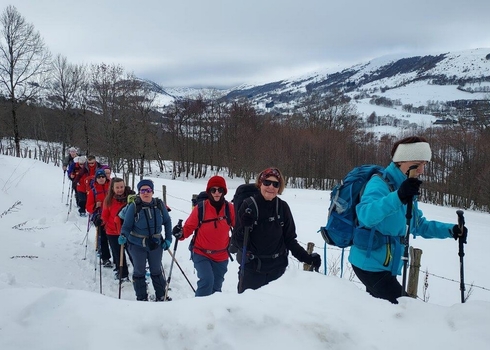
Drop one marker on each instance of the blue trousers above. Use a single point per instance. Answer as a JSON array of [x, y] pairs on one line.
[[139, 255], [211, 274]]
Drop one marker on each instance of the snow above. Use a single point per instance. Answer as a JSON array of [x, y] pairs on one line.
[[49, 291]]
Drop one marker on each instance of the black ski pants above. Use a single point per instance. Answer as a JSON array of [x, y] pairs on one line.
[[116, 252], [382, 284], [105, 253], [254, 280]]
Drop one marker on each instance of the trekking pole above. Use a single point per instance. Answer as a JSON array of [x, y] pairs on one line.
[[411, 172], [247, 229], [121, 256], [461, 253], [96, 254], [86, 239], [69, 208], [180, 268], [100, 259], [63, 188], [172, 264], [68, 192]]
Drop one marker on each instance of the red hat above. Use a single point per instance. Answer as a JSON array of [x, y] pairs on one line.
[[217, 181]]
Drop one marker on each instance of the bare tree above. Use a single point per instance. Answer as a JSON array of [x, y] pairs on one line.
[[66, 84], [24, 60]]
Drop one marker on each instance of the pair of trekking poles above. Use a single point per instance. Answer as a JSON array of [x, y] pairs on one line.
[[69, 195], [461, 223]]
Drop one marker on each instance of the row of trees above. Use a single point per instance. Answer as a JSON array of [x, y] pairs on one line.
[[103, 110]]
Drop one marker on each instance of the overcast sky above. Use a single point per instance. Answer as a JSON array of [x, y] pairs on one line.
[[224, 43]]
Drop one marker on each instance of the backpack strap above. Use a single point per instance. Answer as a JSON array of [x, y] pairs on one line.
[[200, 219], [278, 217]]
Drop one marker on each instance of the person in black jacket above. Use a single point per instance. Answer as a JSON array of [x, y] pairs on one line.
[[269, 225]]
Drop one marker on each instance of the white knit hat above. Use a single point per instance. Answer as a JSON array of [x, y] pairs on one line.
[[406, 152], [82, 159]]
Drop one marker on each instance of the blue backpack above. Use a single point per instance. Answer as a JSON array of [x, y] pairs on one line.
[[342, 220]]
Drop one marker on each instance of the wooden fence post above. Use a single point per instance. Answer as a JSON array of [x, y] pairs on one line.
[[413, 275], [309, 249], [164, 194]]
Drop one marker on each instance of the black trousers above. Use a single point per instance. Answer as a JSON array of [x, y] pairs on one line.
[[116, 254], [380, 284], [254, 280], [105, 253], [81, 198]]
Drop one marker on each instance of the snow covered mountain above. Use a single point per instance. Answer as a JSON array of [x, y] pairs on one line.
[[444, 77]]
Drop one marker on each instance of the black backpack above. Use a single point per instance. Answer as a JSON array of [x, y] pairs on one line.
[[245, 193]]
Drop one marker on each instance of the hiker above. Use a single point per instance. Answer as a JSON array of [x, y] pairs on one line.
[[107, 170], [385, 208], [87, 172], [272, 234], [79, 184], [115, 200], [69, 159], [95, 199], [209, 246], [143, 232]]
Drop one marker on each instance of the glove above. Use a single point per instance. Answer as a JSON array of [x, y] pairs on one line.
[[177, 231], [247, 218], [121, 240], [409, 188], [315, 261], [97, 220], [457, 233], [166, 244]]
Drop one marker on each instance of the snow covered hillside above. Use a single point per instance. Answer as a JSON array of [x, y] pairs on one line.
[[50, 293]]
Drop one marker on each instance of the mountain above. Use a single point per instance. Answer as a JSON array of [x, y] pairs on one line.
[[415, 80]]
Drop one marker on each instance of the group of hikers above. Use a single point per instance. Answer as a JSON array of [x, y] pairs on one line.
[[262, 228]]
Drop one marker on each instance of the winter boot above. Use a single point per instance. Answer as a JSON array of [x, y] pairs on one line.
[[139, 286], [159, 284]]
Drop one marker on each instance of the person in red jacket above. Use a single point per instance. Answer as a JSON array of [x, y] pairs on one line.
[[113, 203], [95, 198], [210, 248], [79, 185]]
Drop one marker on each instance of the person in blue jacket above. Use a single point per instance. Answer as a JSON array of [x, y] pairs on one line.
[[142, 230], [383, 206]]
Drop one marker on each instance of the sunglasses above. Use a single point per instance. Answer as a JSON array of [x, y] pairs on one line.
[[101, 177], [267, 183], [214, 189], [146, 190]]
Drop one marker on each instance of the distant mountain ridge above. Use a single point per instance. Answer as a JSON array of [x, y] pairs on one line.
[[461, 69]]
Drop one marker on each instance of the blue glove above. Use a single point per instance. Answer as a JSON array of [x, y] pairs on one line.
[[166, 244], [122, 240]]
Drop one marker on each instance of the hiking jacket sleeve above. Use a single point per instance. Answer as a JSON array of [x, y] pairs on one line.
[[128, 223], [90, 205], [190, 224], [109, 214], [290, 236], [167, 224]]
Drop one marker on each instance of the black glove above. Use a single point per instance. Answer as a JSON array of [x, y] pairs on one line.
[[177, 231], [457, 233], [97, 220], [247, 218], [315, 261], [409, 188]]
